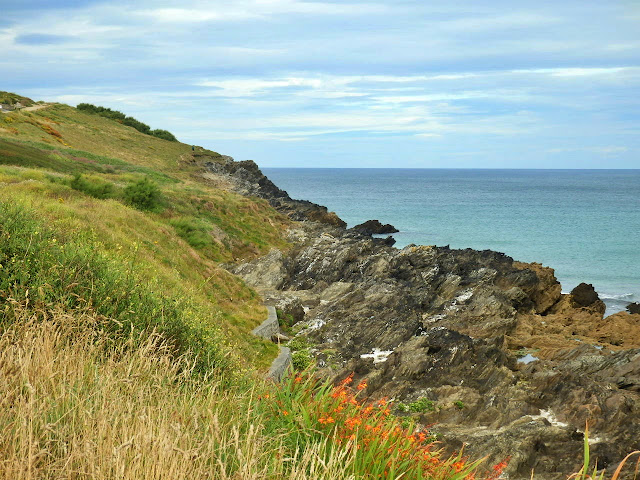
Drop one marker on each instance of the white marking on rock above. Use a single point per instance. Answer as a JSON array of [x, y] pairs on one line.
[[550, 417], [378, 355], [464, 296]]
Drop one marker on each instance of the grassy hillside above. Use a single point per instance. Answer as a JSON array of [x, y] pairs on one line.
[[141, 204]]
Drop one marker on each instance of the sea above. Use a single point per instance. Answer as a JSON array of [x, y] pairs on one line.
[[583, 223]]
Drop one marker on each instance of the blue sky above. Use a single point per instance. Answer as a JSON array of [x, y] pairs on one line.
[[484, 84]]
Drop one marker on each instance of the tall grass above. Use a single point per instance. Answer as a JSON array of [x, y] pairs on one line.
[[76, 405]]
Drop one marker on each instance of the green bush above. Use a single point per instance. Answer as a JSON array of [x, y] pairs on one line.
[[194, 231], [95, 188], [422, 405], [143, 195], [164, 134], [301, 360], [125, 120]]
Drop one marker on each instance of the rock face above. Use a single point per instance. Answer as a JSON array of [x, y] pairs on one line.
[[449, 326], [371, 227], [245, 177], [584, 295], [633, 308]]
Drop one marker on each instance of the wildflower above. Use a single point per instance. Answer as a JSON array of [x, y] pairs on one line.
[[351, 423], [347, 380], [458, 466], [298, 379], [362, 385], [285, 413], [326, 420]]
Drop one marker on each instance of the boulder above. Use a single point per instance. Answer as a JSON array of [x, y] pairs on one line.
[[371, 227], [584, 295], [633, 308]]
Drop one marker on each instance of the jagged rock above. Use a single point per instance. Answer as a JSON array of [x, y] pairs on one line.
[[279, 338], [245, 177], [584, 295], [544, 290], [634, 308], [268, 274], [289, 306], [371, 227], [443, 324]]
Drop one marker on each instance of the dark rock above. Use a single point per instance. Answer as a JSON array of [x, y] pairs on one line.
[[245, 177], [633, 308], [389, 241], [371, 227], [584, 295], [443, 324], [438, 323]]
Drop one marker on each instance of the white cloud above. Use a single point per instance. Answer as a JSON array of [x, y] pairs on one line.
[[256, 9]]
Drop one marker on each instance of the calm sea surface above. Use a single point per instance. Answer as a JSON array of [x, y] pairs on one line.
[[583, 223]]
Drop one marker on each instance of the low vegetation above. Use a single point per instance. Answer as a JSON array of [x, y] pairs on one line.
[[9, 98], [126, 120]]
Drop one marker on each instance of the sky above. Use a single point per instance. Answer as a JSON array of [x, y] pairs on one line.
[[351, 83]]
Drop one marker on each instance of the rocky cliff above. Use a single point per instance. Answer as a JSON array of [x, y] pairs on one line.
[[485, 349]]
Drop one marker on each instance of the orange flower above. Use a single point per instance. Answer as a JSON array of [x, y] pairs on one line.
[[326, 420], [347, 380], [298, 379], [362, 385], [285, 413]]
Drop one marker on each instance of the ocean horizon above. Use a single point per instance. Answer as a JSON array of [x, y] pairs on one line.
[[584, 223]]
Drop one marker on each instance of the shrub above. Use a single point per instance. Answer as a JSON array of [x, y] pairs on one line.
[[125, 120], [95, 188], [301, 360], [194, 231], [164, 134], [143, 195], [422, 405]]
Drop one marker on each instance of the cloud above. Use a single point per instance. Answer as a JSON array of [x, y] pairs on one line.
[[41, 39], [344, 76], [610, 150], [256, 9]]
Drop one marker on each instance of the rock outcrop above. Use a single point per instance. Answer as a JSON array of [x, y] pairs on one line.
[[374, 227], [246, 178], [510, 364]]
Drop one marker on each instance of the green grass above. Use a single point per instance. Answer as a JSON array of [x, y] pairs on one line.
[[84, 181], [37, 268]]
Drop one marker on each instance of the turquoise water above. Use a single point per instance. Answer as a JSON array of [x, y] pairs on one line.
[[583, 223]]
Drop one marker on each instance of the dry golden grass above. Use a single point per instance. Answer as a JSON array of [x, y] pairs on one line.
[[76, 407]]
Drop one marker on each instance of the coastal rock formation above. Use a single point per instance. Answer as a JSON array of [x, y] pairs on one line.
[[372, 227], [503, 359], [246, 178], [633, 308]]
